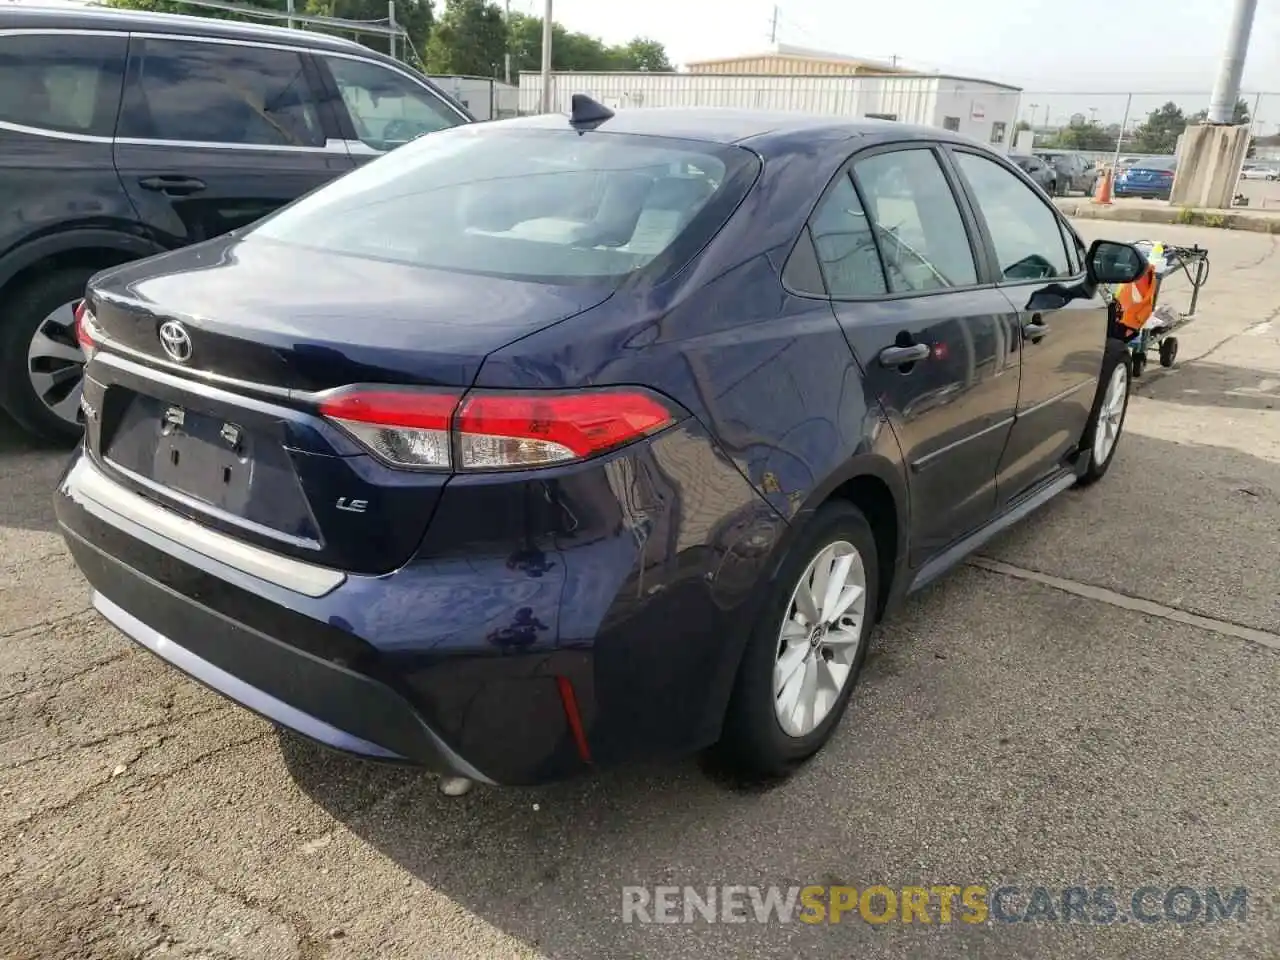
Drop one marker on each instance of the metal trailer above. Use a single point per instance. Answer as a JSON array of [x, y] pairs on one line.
[[1157, 332]]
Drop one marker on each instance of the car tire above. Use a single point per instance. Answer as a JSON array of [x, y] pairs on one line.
[[756, 741], [42, 307], [1106, 418]]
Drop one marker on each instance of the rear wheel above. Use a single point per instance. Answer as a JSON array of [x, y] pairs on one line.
[[41, 365], [1168, 351], [804, 654], [1106, 420]]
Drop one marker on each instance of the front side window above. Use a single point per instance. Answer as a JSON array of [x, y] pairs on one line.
[[1026, 233], [65, 83], [922, 237], [219, 93], [387, 108], [544, 205]]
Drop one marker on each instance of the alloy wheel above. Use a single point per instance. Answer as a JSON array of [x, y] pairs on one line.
[[819, 640], [1111, 414], [55, 364]]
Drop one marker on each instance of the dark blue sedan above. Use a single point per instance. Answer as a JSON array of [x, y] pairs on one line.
[[1147, 178], [549, 443]]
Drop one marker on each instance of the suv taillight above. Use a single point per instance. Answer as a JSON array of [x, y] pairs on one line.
[[84, 328], [495, 430]]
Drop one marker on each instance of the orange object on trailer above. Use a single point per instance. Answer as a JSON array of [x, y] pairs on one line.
[[1137, 300]]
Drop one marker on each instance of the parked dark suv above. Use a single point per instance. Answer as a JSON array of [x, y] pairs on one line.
[[124, 135]]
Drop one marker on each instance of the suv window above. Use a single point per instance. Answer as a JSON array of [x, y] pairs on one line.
[[387, 108], [1026, 233], [845, 245], [67, 83], [917, 223], [219, 93]]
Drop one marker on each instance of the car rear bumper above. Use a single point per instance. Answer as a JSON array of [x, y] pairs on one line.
[[317, 697], [503, 653]]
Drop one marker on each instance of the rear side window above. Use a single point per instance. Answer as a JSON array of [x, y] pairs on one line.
[[64, 83], [546, 205], [387, 108], [219, 93], [1026, 233], [918, 225], [842, 236]]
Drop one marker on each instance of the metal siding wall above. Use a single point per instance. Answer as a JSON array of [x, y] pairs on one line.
[[919, 100], [911, 98]]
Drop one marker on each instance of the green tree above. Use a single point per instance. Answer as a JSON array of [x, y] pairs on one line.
[[469, 38], [642, 53], [1161, 131], [1088, 136], [578, 51]]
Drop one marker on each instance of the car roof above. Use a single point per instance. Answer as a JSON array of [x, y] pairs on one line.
[[105, 18], [762, 130]]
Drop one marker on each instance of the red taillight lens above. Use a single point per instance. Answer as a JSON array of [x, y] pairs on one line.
[[495, 431], [406, 428], [84, 327], [532, 429]]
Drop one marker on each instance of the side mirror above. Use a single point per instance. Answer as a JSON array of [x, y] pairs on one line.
[[1114, 262]]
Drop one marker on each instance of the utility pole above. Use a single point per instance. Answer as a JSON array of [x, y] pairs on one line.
[[1093, 115], [1222, 106], [773, 26], [506, 47], [546, 58], [1046, 116], [292, 24], [391, 19]]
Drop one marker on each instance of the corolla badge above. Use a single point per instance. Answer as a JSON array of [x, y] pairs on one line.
[[176, 341]]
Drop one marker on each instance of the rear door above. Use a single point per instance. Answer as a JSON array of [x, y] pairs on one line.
[[214, 135], [1062, 323], [898, 253], [380, 107]]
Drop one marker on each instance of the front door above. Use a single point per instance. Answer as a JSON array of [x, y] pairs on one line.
[[1062, 322], [933, 342], [213, 136]]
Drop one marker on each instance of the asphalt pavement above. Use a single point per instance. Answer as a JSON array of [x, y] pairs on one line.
[[1093, 703]]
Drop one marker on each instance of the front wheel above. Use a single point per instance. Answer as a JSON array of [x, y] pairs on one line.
[[1106, 419], [806, 650]]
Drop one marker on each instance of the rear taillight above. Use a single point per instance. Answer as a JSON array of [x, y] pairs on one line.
[[489, 430], [84, 328]]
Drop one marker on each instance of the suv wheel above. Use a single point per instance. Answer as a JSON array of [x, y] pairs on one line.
[[807, 648], [41, 365]]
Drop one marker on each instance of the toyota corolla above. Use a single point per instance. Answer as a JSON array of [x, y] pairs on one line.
[[549, 443]]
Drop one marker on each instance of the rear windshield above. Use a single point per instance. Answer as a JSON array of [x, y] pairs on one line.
[[543, 205]]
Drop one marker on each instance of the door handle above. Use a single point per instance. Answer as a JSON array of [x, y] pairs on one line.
[[171, 185], [901, 356], [1035, 330]]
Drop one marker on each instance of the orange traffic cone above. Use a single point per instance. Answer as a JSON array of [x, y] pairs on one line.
[[1103, 195]]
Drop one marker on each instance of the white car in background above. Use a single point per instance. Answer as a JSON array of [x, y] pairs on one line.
[[1258, 171]]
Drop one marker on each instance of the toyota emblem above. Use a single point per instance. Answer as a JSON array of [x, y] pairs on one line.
[[176, 341]]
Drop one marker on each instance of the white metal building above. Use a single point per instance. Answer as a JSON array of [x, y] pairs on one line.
[[486, 99], [979, 109]]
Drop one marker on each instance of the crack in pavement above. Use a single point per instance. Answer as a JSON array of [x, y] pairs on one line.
[[139, 786], [115, 735], [87, 614], [1252, 635], [58, 683]]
